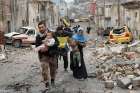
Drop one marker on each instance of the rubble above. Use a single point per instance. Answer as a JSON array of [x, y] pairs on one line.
[[124, 82], [2, 57], [130, 55], [109, 84], [136, 82], [134, 44], [117, 62]]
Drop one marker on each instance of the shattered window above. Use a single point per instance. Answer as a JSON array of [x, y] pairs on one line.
[[118, 31], [31, 32], [22, 30]]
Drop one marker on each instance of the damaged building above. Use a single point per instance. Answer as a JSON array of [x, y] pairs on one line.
[[132, 15], [5, 15], [42, 10]]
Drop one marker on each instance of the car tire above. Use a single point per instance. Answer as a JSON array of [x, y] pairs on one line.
[[17, 43]]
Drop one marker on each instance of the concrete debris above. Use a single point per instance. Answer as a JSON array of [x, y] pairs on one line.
[[103, 51], [130, 87], [124, 82], [127, 74], [2, 57], [109, 84], [137, 49], [19, 86], [136, 82], [134, 44], [92, 75], [131, 55], [137, 72], [117, 49]]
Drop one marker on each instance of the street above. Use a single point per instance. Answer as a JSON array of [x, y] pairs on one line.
[[105, 33], [21, 73]]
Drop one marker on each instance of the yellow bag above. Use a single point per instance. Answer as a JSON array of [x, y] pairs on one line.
[[62, 41], [66, 23]]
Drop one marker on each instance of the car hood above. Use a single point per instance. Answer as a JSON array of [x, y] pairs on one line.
[[11, 34], [20, 36]]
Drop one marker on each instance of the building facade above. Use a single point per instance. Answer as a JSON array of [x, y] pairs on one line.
[[5, 15], [132, 15]]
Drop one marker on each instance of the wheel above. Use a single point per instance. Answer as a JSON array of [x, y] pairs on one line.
[[17, 43]]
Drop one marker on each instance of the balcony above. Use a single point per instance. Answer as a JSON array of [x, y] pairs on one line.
[[131, 4]]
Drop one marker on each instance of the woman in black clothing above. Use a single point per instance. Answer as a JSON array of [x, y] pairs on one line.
[[78, 66]]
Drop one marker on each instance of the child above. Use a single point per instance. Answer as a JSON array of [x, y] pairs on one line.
[[76, 53], [49, 41]]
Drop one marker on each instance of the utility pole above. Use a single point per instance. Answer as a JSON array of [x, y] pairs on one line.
[[2, 11], [104, 12], [27, 13], [1, 16], [118, 13], [13, 15]]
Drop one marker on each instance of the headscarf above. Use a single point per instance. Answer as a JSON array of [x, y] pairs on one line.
[[79, 37]]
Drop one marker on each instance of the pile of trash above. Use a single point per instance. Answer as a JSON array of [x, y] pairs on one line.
[[119, 65]]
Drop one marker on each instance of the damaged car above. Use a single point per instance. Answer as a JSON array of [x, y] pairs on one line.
[[121, 35], [23, 37]]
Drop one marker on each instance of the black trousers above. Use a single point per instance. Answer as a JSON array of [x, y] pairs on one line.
[[63, 53], [65, 59]]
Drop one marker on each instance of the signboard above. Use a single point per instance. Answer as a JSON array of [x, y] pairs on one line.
[[92, 8]]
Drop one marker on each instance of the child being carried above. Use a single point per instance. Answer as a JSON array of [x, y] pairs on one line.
[[49, 41]]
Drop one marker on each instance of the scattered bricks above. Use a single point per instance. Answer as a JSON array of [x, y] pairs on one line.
[[99, 73], [136, 82], [131, 76], [117, 49], [136, 66], [106, 76], [137, 72], [101, 45], [138, 49], [124, 82], [129, 72], [109, 84], [130, 55]]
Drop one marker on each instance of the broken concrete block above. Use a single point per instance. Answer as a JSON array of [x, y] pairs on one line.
[[130, 55], [137, 72], [130, 87], [124, 82], [138, 49], [131, 76], [103, 51], [99, 73], [106, 76], [109, 84], [2, 57], [92, 75], [32, 46], [129, 72], [117, 49], [134, 44], [136, 82]]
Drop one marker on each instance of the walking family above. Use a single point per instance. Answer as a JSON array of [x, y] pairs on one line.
[[53, 45]]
